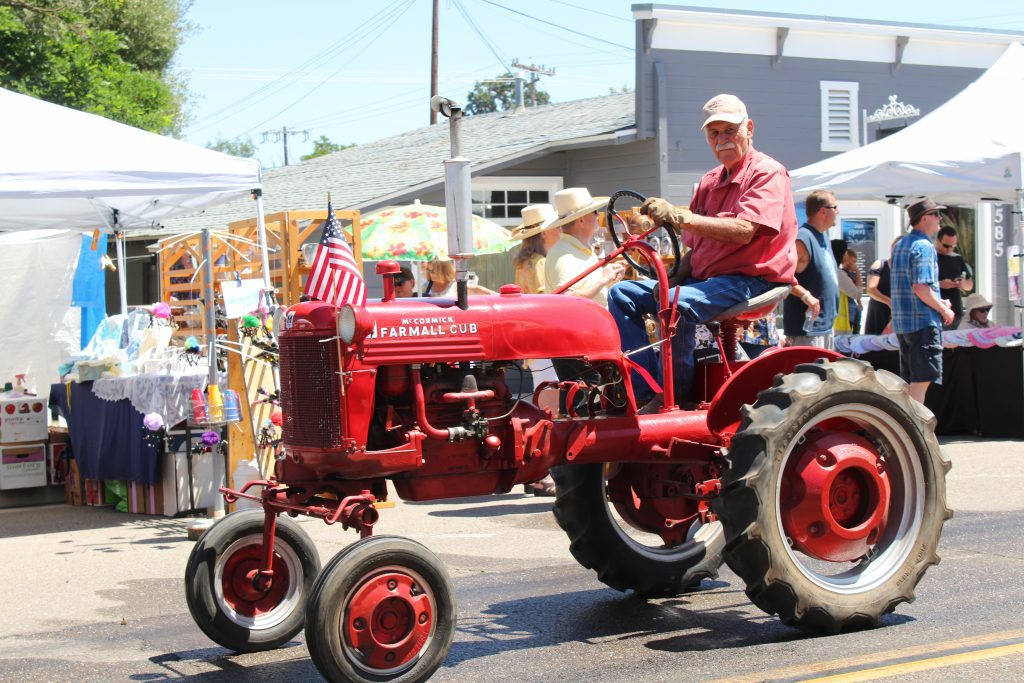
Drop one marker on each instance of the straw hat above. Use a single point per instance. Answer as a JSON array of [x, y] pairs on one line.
[[574, 202], [975, 300], [536, 219]]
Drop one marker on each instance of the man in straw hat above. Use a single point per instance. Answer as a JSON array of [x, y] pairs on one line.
[[741, 229], [577, 217], [918, 311]]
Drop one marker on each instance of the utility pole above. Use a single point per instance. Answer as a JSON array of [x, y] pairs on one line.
[[282, 135], [535, 73], [433, 64]]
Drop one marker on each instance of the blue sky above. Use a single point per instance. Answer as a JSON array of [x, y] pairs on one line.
[[357, 72]]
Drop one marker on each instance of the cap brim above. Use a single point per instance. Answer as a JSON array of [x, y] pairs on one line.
[[596, 204], [728, 118]]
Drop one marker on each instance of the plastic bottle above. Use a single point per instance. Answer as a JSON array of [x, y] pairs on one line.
[[232, 412], [809, 318], [198, 406], [214, 404], [246, 471]]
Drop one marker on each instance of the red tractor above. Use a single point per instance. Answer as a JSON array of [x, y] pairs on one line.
[[816, 478]]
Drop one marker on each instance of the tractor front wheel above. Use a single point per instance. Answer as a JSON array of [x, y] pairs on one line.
[[224, 595], [383, 609], [624, 522], [834, 498]]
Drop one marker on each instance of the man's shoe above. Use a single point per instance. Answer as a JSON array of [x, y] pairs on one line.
[[651, 407]]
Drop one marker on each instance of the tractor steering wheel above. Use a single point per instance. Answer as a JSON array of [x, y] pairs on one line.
[[613, 218]]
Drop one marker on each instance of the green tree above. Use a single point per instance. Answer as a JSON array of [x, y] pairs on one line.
[[323, 146], [106, 57], [236, 148], [499, 94]]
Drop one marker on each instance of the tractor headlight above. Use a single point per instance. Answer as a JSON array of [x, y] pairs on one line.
[[354, 324]]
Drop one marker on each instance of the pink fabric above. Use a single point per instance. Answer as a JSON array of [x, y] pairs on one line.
[[759, 192]]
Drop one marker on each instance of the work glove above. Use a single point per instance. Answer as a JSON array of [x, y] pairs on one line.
[[662, 211]]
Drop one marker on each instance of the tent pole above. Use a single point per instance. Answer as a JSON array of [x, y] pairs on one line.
[[261, 231], [121, 263], [211, 318]]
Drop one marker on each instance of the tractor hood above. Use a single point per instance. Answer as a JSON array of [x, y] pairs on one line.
[[507, 326]]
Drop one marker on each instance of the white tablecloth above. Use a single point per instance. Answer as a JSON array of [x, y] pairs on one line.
[[167, 395]]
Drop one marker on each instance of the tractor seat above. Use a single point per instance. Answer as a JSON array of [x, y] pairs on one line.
[[757, 307]]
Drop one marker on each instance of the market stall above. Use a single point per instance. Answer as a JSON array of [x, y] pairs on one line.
[[68, 170]]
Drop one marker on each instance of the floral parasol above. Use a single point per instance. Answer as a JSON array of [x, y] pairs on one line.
[[419, 232]]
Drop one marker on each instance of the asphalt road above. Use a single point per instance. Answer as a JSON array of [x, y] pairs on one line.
[[91, 594]]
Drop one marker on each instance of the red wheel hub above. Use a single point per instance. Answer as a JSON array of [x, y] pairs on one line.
[[388, 620], [239, 586], [643, 499], [835, 497]]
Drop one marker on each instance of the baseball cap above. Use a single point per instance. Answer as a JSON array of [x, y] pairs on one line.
[[728, 108]]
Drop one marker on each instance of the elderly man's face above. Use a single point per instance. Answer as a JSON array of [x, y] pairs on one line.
[[729, 142]]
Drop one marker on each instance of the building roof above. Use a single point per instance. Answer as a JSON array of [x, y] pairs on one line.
[[398, 168]]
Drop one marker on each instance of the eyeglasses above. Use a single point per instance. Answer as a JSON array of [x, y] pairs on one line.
[[948, 246], [832, 206], [983, 310]]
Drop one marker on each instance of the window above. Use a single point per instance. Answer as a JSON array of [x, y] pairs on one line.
[[502, 199], [840, 129]]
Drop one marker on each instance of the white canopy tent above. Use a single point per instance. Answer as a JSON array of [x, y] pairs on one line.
[[64, 169], [967, 150]]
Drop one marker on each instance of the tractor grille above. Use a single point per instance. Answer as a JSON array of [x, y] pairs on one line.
[[310, 404]]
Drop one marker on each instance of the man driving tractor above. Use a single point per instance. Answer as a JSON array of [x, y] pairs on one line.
[[740, 226]]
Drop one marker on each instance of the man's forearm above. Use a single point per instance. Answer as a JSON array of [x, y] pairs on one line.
[[733, 230], [926, 295]]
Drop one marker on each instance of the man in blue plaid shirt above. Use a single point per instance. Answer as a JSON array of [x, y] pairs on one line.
[[918, 312]]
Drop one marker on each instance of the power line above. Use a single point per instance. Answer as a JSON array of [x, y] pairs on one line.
[[594, 11], [282, 135], [382, 28], [564, 28], [283, 81], [480, 34]]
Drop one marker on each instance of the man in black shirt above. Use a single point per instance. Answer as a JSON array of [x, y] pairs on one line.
[[954, 273]]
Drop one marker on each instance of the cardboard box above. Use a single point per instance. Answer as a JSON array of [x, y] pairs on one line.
[[22, 466], [74, 486], [56, 466], [95, 492], [23, 420]]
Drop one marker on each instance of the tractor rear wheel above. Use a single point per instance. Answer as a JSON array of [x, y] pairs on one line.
[[222, 591], [635, 541], [834, 498]]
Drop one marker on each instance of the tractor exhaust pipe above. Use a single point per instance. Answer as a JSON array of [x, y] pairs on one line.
[[457, 198]]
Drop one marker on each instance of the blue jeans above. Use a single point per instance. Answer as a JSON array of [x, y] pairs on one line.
[[699, 302]]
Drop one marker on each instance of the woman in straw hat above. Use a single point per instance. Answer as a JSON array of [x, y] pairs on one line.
[[976, 311], [537, 237]]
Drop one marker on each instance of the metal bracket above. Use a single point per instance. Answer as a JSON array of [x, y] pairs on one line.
[[901, 46], [781, 33]]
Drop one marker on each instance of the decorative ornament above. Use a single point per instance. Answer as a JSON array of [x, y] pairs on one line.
[[153, 429], [250, 326], [162, 310], [210, 438], [276, 417], [154, 422]]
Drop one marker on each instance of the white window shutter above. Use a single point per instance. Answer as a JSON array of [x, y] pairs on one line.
[[840, 126]]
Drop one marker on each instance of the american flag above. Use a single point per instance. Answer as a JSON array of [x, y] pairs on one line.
[[335, 277]]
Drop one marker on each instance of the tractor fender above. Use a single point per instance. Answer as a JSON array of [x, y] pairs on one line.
[[753, 377]]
